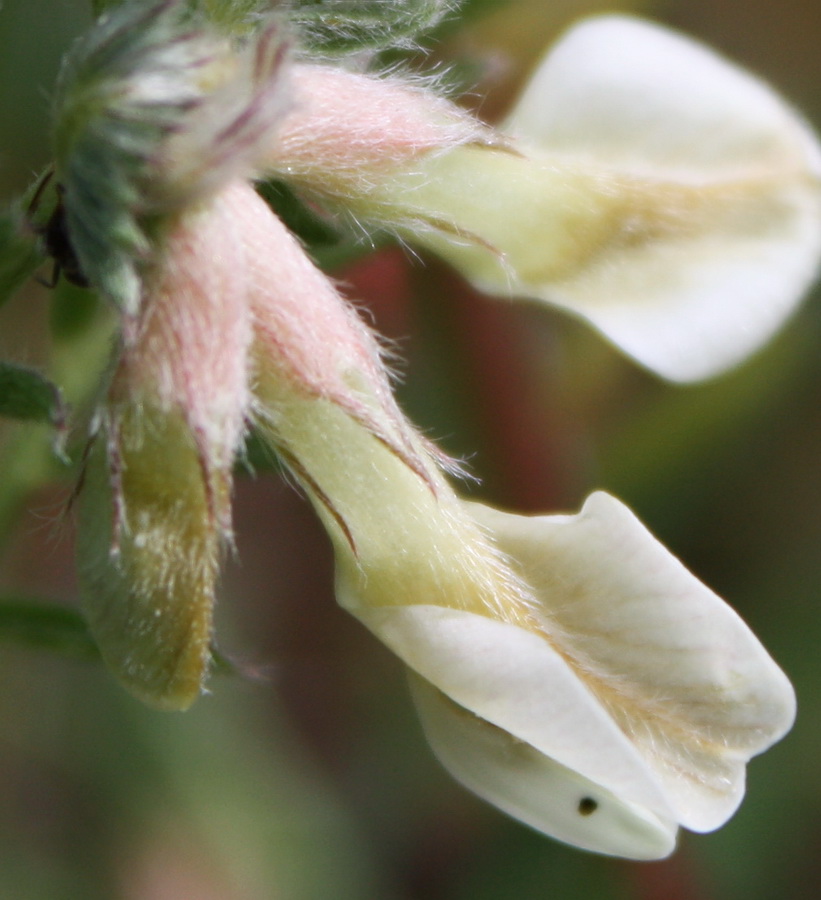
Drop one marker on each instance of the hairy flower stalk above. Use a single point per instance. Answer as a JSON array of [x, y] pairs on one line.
[[567, 668], [642, 182]]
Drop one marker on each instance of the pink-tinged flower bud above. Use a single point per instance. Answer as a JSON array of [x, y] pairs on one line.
[[310, 344], [155, 508]]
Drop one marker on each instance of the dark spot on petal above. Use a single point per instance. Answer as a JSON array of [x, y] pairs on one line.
[[587, 805]]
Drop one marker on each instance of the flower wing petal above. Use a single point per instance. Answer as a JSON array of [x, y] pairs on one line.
[[634, 95], [675, 667]]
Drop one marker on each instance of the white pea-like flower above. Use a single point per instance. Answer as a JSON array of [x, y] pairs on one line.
[[642, 182], [630, 710], [567, 668]]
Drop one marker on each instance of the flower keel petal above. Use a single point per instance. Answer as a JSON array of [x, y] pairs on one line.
[[533, 788]]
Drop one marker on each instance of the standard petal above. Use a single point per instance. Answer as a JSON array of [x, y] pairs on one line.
[[691, 297], [636, 96], [675, 667], [533, 788]]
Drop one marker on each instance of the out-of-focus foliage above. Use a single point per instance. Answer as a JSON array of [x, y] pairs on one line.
[[19, 254], [308, 778], [46, 627], [347, 26], [26, 394]]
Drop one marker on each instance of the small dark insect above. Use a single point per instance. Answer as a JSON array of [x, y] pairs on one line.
[[56, 240], [587, 806]]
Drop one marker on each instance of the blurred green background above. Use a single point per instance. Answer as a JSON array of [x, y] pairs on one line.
[[310, 778]]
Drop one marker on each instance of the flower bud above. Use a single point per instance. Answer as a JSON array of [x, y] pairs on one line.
[[148, 556], [155, 506]]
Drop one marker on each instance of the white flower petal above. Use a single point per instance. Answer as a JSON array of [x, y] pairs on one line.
[[535, 789], [675, 667], [636, 96], [689, 291], [631, 672]]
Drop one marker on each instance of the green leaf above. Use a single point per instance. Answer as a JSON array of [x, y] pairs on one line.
[[42, 626], [20, 253], [25, 394], [336, 27]]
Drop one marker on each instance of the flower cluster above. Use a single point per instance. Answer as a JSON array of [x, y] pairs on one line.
[[567, 668]]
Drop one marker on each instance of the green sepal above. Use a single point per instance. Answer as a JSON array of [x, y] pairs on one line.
[[26, 394], [106, 138], [337, 27]]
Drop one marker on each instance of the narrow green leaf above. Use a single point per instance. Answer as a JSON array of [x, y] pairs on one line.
[[44, 626], [26, 394]]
